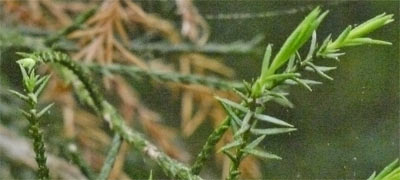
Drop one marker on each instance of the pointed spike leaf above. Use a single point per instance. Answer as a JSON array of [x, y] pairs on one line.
[[261, 154], [231, 145], [313, 46], [372, 177], [272, 120], [302, 83], [267, 57], [245, 124], [43, 83], [387, 169], [256, 142], [19, 95], [272, 131], [44, 110], [232, 104]]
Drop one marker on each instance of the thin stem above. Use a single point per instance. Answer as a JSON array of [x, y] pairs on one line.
[[136, 72], [78, 22], [214, 137], [238, 47], [111, 156], [77, 159], [31, 84], [234, 169], [38, 145], [28, 34]]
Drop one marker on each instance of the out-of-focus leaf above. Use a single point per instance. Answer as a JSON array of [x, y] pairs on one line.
[[256, 142], [261, 154], [245, 123], [272, 131], [231, 145], [44, 110], [232, 104], [43, 82], [272, 120], [302, 83]]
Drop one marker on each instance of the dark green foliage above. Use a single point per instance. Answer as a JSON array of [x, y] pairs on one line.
[[285, 68], [244, 117]]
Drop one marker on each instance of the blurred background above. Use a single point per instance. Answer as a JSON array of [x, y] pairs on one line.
[[347, 128]]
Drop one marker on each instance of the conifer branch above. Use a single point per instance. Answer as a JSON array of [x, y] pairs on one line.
[[243, 117], [136, 72], [170, 166], [33, 85]]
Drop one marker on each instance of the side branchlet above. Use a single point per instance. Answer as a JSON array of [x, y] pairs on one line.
[[354, 37], [244, 117], [33, 85]]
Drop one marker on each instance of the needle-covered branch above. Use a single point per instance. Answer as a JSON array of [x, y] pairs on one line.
[[33, 85], [170, 166], [14, 36], [273, 75], [237, 47], [136, 72]]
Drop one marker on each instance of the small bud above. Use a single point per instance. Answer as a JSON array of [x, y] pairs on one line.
[[27, 63]]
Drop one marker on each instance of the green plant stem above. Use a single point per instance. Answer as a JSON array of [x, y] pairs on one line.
[[77, 24], [218, 132], [77, 159], [234, 169], [111, 156], [170, 166], [30, 83], [37, 37], [238, 47], [208, 147], [136, 72], [38, 144]]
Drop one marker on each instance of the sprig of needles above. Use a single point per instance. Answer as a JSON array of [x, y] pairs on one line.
[[33, 85], [285, 69]]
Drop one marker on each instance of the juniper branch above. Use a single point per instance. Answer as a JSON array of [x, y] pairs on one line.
[[37, 38], [170, 166], [33, 85], [237, 47], [208, 147], [137, 72], [288, 54]]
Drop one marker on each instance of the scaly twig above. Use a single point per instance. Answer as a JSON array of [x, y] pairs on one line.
[[208, 147], [33, 85], [170, 166], [136, 72], [269, 79]]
